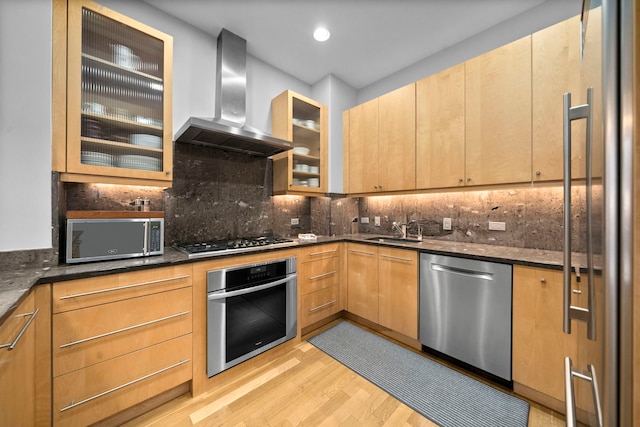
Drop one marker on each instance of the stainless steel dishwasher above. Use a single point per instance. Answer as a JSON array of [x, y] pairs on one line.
[[465, 311]]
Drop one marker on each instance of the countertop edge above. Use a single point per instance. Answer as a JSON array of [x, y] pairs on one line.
[[14, 286]]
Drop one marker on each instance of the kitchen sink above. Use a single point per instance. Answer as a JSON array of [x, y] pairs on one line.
[[383, 239]]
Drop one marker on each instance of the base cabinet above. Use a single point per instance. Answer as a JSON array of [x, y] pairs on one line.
[[398, 290], [382, 286], [119, 340], [25, 362], [362, 281], [319, 275], [17, 366], [539, 344]]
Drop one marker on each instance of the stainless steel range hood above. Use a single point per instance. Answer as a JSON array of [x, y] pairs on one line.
[[227, 130]]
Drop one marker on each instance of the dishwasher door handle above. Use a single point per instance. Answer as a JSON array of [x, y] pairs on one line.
[[461, 271]]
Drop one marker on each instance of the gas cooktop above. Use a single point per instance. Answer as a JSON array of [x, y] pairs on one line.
[[222, 247]]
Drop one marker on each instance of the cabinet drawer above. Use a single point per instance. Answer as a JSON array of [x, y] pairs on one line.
[[88, 395], [319, 274], [318, 305], [94, 334], [81, 293], [315, 252]]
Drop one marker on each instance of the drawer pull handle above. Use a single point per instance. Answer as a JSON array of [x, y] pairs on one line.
[[311, 310], [319, 276], [322, 253], [73, 405], [12, 344], [128, 328], [396, 257], [360, 252], [135, 285]]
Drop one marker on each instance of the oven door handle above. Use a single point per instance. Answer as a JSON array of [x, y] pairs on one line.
[[215, 296]]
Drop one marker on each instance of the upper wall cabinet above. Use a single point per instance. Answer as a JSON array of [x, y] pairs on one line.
[[557, 69], [380, 143], [440, 142], [303, 121], [397, 139], [498, 115], [117, 84], [361, 148]]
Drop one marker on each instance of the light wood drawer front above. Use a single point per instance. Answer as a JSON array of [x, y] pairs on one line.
[[315, 252], [81, 293], [91, 335], [318, 305], [107, 388], [318, 275]]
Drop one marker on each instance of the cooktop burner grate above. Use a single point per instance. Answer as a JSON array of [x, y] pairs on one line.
[[219, 247]]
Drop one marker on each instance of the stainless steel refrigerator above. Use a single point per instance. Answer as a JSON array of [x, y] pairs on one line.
[[598, 285]]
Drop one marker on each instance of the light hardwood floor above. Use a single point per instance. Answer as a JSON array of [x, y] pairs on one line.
[[302, 387]]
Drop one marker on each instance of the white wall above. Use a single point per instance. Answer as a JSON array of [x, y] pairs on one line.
[[537, 18], [194, 69], [338, 96], [25, 124]]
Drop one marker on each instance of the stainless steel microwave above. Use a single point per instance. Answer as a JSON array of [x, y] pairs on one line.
[[99, 239]]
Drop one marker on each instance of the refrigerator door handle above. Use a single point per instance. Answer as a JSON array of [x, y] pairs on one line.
[[570, 312], [569, 391]]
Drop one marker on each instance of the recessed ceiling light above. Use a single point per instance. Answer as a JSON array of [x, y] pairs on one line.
[[321, 34]]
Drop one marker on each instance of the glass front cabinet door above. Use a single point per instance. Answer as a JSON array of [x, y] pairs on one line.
[[303, 121], [118, 122]]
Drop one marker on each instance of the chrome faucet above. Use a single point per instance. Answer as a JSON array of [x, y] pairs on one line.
[[400, 228]]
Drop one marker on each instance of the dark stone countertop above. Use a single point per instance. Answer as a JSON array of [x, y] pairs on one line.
[[14, 285]]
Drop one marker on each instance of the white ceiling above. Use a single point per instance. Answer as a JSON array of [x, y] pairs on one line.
[[370, 39]]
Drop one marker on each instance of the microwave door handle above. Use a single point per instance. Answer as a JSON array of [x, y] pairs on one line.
[[147, 236], [221, 295]]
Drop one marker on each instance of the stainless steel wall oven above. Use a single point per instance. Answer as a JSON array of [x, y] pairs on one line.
[[250, 309]]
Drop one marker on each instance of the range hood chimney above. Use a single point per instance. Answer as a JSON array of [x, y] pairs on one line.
[[228, 129]]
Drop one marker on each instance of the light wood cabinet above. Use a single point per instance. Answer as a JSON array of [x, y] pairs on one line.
[[362, 281], [397, 139], [556, 69], [117, 88], [304, 122], [17, 366], [539, 343], [440, 131], [119, 340], [382, 286], [379, 148], [319, 283], [398, 290], [25, 363], [498, 115], [361, 148]]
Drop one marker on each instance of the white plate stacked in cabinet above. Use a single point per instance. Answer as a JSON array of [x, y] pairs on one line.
[[119, 340], [319, 283]]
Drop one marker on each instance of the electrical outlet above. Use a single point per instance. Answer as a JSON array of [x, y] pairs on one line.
[[497, 226], [364, 220], [376, 221], [446, 223], [295, 221]]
